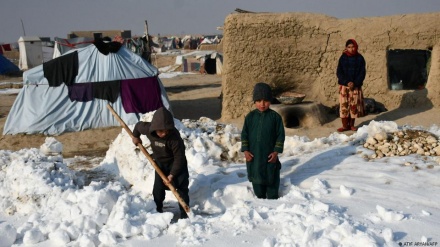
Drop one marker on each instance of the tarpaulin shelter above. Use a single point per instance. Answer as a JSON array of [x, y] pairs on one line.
[[71, 93], [7, 66]]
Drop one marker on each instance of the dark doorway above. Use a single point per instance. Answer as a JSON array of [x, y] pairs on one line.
[[210, 66], [408, 69]]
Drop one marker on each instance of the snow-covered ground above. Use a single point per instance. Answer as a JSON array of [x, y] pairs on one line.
[[332, 194]]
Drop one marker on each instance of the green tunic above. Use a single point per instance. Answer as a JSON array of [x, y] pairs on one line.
[[262, 134]]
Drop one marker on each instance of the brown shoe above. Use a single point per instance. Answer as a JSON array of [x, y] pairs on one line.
[[345, 125], [342, 129], [352, 127]]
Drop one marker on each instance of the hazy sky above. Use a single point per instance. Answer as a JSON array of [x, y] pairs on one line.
[[56, 18]]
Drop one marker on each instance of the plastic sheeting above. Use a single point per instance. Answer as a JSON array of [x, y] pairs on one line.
[[7, 66], [39, 108]]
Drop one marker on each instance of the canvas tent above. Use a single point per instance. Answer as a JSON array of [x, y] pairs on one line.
[[7, 66], [31, 52], [42, 107]]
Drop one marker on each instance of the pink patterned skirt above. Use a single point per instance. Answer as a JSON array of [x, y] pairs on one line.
[[351, 102]]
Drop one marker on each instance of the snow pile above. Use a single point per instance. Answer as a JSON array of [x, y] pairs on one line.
[[331, 195]]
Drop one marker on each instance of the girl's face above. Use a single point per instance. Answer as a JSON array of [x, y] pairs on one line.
[[351, 49], [161, 133], [262, 105]]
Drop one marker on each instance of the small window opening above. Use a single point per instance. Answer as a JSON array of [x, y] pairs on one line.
[[408, 69]]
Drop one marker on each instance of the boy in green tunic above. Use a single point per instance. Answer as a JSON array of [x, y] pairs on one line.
[[262, 139]]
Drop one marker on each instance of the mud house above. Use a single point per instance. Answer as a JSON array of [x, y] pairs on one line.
[[126, 34], [299, 51]]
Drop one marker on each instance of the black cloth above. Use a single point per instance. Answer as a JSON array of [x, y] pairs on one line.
[[107, 90], [61, 69], [107, 47]]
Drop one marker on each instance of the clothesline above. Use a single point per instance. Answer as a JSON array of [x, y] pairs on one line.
[[73, 45], [131, 91]]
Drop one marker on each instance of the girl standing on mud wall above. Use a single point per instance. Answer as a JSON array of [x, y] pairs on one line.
[[351, 74]]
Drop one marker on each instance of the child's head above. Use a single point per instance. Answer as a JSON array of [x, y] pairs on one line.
[[162, 133], [162, 122], [262, 96], [351, 46]]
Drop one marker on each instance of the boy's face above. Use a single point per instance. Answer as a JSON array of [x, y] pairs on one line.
[[162, 133], [262, 105]]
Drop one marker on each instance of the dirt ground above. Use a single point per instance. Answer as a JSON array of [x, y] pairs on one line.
[[191, 96]]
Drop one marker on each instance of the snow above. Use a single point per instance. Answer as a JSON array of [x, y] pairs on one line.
[[9, 91], [332, 193]]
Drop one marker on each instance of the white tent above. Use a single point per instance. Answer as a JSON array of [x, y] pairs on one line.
[[42, 108], [31, 52]]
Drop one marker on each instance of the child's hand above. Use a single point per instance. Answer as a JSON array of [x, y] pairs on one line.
[[248, 155], [273, 157], [136, 141], [351, 85], [169, 179]]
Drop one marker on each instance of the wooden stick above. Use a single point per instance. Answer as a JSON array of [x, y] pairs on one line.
[[155, 166]]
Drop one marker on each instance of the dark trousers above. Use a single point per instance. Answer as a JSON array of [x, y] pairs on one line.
[[267, 191], [181, 184]]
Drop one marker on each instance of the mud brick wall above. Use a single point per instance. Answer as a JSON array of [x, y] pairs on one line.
[[300, 51]]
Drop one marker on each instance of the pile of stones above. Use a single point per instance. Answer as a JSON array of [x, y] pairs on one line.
[[404, 142]]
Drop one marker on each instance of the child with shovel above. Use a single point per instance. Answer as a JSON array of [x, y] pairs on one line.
[[169, 154]]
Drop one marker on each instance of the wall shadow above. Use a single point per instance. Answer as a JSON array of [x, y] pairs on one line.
[[412, 103], [196, 108], [179, 89]]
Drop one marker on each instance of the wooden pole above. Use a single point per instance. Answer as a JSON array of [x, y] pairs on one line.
[[148, 48], [22, 26], [155, 166]]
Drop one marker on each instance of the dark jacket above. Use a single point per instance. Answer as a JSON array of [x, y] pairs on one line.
[[262, 134], [168, 152], [351, 69]]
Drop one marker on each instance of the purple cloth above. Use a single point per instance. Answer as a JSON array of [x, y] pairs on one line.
[[80, 92], [141, 95]]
